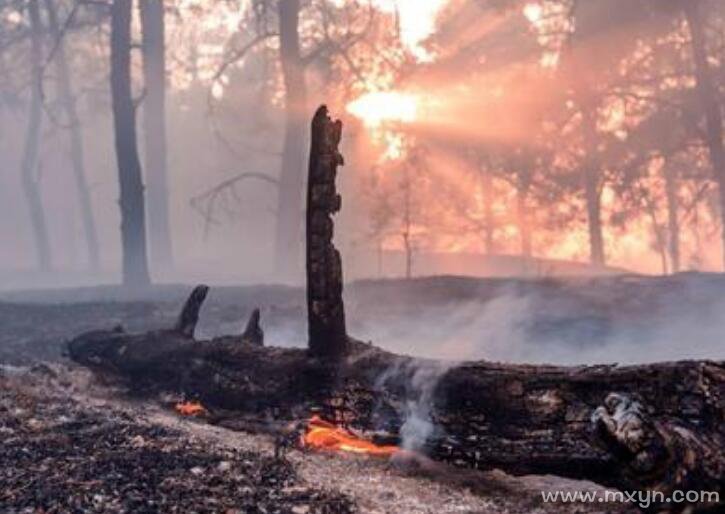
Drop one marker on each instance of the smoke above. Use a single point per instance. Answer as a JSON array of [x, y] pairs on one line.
[[625, 321], [419, 379]]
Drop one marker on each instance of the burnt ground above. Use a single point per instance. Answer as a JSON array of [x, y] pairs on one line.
[[61, 455], [72, 444], [623, 319]]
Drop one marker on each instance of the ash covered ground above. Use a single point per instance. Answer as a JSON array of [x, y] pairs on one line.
[[624, 319], [73, 444]]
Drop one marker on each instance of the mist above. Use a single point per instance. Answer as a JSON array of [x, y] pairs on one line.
[[473, 144]]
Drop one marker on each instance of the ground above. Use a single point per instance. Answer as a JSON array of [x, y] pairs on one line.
[[76, 444]]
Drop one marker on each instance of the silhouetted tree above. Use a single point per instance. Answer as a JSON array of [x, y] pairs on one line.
[[133, 228]]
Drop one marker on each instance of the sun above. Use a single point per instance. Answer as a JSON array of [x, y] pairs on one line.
[[376, 108]]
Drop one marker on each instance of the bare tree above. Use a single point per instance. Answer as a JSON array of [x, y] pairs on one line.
[[154, 108], [29, 165], [133, 229], [68, 105]]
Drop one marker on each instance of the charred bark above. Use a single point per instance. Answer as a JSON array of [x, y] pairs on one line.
[[154, 109], [325, 309], [253, 333], [68, 104], [189, 317], [131, 202], [29, 165], [656, 426]]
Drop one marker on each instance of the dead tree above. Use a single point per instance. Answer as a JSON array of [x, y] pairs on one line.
[[326, 313], [131, 202]]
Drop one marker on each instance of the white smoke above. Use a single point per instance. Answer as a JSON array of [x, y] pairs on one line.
[[421, 377]]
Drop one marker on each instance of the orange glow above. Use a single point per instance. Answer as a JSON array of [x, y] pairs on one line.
[[190, 408], [323, 435], [378, 107]]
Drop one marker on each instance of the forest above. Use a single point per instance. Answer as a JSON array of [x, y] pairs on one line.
[[485, 137], [376, 256]]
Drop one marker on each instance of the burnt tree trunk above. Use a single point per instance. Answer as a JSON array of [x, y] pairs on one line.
[[68, 104], [326, 313], [289, 205], [708, 97], [154, 109], [29, 164], [131, 202]]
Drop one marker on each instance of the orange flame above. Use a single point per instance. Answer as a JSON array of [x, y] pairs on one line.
[[190, 408], [324, 435]]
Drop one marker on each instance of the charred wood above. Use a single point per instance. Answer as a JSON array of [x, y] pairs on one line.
[[326, 312], [253, 333], [189, 316]]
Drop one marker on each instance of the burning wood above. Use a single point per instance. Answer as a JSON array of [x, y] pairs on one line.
[[190, 408], [321, 434]]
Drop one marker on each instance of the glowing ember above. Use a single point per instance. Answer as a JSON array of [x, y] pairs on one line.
[[375, 108], [190, 408], [326, 436]]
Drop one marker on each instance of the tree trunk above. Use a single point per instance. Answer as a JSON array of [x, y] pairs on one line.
[[289, 208], [133, 228], [673, 220], [326, 312], [522, 218], [488, 221], [592, 193], [709, 101], [68, 104], [594, 217], [29, 164], [407, 223], [154, 108]]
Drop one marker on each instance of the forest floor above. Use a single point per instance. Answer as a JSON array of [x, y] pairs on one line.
[[72, 444], [76, 444]]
